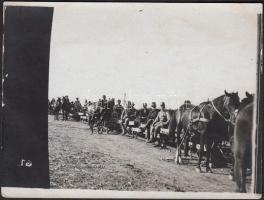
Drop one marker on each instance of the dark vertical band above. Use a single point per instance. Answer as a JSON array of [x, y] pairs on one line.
[[26, 65], [260, 100]]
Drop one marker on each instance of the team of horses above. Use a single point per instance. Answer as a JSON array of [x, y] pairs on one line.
[[224, 118]]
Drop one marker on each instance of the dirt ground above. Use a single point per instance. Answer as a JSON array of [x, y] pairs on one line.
[[114, 162]]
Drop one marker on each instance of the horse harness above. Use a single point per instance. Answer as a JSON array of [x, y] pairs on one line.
[[203, 119]]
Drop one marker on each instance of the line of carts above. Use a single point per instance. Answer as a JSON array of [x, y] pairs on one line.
[[221, 155]]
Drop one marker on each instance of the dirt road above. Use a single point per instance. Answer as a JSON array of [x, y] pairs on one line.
[[81, 160]]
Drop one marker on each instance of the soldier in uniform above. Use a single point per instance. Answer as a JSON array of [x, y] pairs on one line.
[[161, 121], [85, 106], [143, 113], [103, 109], [150, 119], [104, 102], [77, 105], [129, 114], [57, 108], [118, 109]]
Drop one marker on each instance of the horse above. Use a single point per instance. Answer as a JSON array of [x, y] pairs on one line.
[[243, 145], [210, 120], [244, 102], [179, 122]]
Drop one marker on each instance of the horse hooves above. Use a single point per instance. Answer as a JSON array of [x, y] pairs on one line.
[[198, 169]]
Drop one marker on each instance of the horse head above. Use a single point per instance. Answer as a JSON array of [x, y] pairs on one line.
[[231, 102], [249, 98]]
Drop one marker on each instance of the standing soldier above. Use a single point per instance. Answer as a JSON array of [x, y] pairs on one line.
[[57, 108], [64, 107], [85, 106], [68, 107], [77, 105]]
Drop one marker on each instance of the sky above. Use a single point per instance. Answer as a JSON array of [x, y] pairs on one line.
[[153, 52]]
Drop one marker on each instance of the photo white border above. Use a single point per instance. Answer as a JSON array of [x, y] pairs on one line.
[[15, 192]]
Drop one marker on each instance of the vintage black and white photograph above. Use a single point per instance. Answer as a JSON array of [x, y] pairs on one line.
[[156, 97]]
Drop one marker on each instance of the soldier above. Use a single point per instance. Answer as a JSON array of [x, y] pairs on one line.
[[85, 106], [143, 114], [77, 105], [104, 102], [118, 109], [57, 108], [103, 109], [52, 105], [68, 107], [161, 121], [150, 119], [128, 114]]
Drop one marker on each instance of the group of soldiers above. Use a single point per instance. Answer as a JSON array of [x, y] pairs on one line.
[[153, 119], [65, 105], [106, 109]]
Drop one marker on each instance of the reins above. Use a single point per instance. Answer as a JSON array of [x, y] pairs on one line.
[[206, 120], [218, 112]]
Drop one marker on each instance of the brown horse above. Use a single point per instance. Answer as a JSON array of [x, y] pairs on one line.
[[210, 120], [242, 145], [179, 123], [244, 102]]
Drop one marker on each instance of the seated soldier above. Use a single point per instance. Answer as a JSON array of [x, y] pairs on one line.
[[129, 114], [143, 114], [150, 119], [161, 121]]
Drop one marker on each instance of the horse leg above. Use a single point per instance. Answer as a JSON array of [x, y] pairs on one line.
[[186, 143], [231, 174], [201, 151], [178, 148], [239, 172], [208, 155], [91, 127], [178, 131], [240, 168]]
